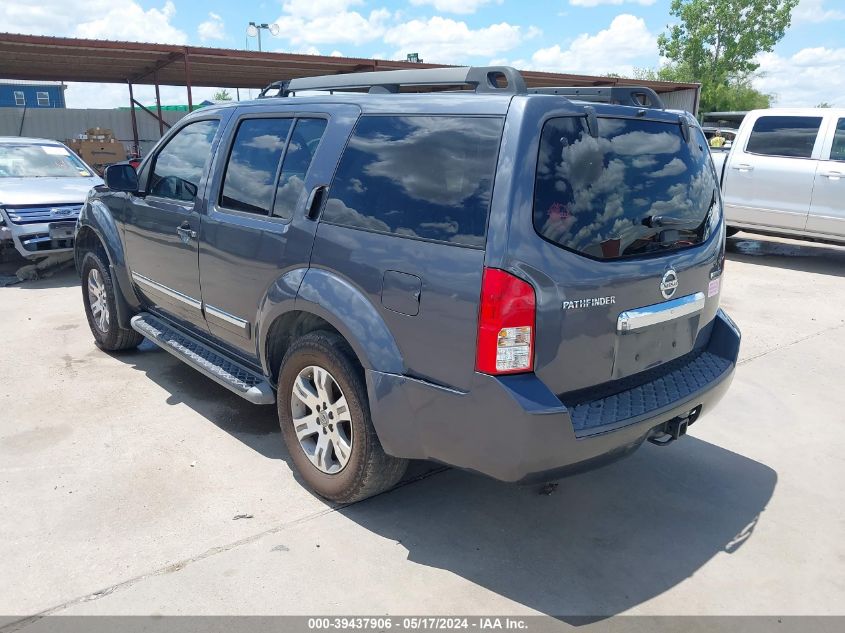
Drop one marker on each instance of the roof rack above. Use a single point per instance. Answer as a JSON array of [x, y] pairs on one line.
[[483, 79], [638, 96]]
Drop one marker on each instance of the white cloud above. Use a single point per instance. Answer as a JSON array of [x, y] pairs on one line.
[[129, 21], [672, 168], [455, 6], [310, 9], [90, 95], [595, 3], [93, 18], [806, 78], [49, 17], [445, 40], [328, 21], [814, 12], [212, 29], [614, 49]]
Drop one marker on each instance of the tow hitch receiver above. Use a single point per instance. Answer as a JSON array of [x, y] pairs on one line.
[[674, 428]]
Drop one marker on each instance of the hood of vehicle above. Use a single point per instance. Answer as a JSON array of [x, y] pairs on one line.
[[26, 191]]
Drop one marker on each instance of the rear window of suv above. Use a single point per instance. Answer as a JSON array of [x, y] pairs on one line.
[[637, 188], [425, 177]]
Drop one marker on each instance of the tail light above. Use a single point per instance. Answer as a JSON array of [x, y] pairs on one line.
[[505, 343]]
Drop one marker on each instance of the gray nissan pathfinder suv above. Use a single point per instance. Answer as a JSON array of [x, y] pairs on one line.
[[427, 264]]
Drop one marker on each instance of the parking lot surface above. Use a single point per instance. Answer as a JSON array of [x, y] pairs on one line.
[[122, 477]]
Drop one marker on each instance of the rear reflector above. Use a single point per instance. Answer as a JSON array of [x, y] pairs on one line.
[[505, 324]]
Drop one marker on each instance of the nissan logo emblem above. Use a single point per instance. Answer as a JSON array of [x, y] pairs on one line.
[[669, 284]]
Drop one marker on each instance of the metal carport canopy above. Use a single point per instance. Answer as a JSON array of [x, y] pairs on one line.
[[36, 57], [69, 59]]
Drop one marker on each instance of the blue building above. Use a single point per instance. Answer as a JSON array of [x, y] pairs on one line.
[[31, 94]]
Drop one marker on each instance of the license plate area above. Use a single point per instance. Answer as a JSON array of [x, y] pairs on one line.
[[61, 230], [650, 346]]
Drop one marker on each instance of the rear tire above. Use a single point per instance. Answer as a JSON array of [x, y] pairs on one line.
[[730, 231], [99, 300], [326, 424]]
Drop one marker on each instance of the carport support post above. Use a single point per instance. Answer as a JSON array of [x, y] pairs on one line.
[[158, 107], [136, 147], [188, 80]]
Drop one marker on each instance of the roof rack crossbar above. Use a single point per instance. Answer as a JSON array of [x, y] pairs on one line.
[[638, 96], [483, 79]]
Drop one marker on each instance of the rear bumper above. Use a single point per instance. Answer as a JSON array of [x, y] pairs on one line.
[[513, 428]]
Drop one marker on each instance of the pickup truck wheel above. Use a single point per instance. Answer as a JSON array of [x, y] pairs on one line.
[[99, 300], [326, 425]]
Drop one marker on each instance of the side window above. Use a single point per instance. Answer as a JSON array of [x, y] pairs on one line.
[[428, 177], [303, 143], [43, 98], [792, 136], [20, 99], [179, 166], [837, 151], [253, 164]]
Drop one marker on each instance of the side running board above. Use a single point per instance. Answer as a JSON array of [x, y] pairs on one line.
[[235, 377]]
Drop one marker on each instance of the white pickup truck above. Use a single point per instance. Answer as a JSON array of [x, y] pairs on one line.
[[785, 174]]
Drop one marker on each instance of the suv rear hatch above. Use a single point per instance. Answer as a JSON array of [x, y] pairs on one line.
[[626, 216]]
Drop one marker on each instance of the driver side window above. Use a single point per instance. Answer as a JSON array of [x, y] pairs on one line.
[[180, 164]]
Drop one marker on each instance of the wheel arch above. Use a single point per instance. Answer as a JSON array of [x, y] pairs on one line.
[[97, 228], [325, 301]]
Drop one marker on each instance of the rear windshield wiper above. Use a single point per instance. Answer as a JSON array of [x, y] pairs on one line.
[[670, 222]]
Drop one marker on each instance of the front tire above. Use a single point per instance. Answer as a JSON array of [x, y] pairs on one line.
[[99, 300], [326, 424]]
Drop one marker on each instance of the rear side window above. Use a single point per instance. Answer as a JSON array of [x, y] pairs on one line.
[[637, 188], [837, 151], [303, 143], [260, 148], [253, 164], [792, 136], [427, 177], [179, 166]]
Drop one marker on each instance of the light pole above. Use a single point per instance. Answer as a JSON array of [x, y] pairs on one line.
[[254, 30]]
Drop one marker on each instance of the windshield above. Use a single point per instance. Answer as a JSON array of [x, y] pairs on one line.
[[40, 161], [637, 188]]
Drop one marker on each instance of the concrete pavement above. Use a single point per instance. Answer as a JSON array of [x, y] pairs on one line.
[[120, 477]]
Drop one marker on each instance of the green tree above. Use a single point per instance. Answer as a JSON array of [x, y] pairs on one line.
[[222, 95], [825, 104], [736, 93], [716, 43]]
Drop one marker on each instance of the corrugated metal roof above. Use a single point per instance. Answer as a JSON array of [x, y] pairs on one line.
[[40, 58]]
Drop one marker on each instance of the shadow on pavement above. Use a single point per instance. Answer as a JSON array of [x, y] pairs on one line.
[[255, 426], [808, 257], [603, 542]]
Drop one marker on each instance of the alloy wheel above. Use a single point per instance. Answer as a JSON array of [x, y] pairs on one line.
[[321, 419], [97, 299]]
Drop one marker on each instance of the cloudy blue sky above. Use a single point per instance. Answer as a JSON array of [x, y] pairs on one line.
[[580, 36]]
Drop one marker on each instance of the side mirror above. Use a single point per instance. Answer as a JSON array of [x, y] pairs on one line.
[[121, 177]]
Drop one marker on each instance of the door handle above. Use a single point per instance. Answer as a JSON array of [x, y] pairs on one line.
[[315, 201], [833, 175], [743, 167], [185, 232]]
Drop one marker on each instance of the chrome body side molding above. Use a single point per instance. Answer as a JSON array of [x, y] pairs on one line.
[[149, 284]]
